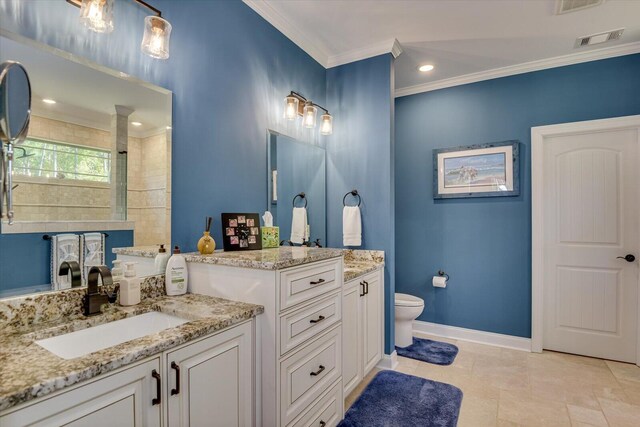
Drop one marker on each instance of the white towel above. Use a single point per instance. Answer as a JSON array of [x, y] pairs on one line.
[[351, 226], [64, 247], [93, 253], [299, 225]]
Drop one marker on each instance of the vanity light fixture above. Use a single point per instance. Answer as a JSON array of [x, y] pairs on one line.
[[136, 123], [97, 15], [49, 101], [297, 105], [425, 68]]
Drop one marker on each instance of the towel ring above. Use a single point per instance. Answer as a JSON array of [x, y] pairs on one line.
[[302, 196], [354, 193]]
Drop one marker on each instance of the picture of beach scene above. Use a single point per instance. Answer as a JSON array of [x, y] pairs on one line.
[[483, 169]]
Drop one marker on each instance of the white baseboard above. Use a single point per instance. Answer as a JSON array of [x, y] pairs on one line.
[[388, 361], [472, 335]]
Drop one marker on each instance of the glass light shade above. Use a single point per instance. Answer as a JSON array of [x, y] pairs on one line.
[[309, 116], [97, 15], [290, 107], [326, 126], [155, 41]]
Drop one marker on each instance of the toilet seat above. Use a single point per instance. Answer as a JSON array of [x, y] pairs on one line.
[[406, 300]]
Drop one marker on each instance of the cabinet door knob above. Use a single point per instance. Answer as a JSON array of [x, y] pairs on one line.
[[317, 282], [156, 375], [318, 372], [176, 390], [319, 319]]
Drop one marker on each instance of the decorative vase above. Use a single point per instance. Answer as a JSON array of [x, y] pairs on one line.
[[206, 244]]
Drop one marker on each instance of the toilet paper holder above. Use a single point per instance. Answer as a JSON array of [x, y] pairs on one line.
[[443, 274]]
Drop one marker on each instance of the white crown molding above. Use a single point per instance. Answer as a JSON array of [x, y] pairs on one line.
[[391, 46], [543, 64], [290, 30], [472, 335]]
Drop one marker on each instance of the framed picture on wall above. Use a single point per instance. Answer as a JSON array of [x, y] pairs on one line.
[[485, 170]]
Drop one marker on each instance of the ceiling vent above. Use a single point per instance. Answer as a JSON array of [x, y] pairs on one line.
[[599, 38], [567, 6]]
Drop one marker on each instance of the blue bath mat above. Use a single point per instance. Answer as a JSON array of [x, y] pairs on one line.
[[436, 352], [393, 399]]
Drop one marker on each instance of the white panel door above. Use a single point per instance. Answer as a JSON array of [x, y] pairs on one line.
[[590, 219]]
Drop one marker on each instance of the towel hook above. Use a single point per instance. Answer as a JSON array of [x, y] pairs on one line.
[[354, 193], [302, 196]]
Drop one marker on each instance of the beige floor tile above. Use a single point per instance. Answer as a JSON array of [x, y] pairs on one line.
[[477, 412], [620, 414], [532, 412], [502, 374], [587, 416], [560, 390], [631, 391], [624, 371]]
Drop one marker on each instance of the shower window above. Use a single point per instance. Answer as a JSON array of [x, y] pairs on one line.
[[48, 159]]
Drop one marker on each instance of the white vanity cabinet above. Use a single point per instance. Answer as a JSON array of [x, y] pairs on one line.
[[126, 397], [363, 327], [205, 382]]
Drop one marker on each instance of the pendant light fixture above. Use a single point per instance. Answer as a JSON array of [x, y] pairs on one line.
[[297, 105], [97, 15]]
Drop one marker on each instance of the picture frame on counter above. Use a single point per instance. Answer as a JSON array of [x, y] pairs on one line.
[[241, 232]]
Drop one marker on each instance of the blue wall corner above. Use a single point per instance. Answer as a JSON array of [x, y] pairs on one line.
[[360, 155], [485, 244]]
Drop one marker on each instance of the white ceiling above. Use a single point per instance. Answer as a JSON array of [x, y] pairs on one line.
[[85, 95], [459, 37]]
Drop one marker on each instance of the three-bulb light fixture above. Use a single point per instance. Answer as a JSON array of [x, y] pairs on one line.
[[97, 15], [297, 105]]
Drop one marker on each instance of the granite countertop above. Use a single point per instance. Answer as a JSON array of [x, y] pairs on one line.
[[142, 251], [360, 262], [267, 259], [28, 371]]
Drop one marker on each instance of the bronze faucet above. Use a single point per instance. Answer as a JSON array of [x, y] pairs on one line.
[[93, 300], [76, 273]]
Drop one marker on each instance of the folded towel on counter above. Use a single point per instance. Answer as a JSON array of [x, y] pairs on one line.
[[299, 225], [64, 247], [351, 226]]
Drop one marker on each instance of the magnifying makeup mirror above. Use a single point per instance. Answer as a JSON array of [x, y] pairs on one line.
[[15, 113]]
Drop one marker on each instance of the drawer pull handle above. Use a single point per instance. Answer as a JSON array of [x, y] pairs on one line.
[[319, 319], [156, 375], [366, 292], [176, 390], [322, 423], [363, 293], [318, 372], [317, 282]]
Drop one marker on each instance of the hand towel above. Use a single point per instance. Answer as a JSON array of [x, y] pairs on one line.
[[351, 226], [299, 225], [93, 253], [64, 247]]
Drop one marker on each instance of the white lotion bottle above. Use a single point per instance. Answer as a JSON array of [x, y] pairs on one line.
[[176, 275], [130, 286], [160, 262]]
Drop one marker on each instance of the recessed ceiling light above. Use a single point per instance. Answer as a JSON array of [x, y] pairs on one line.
[[48, 101], [136, 123], [425, 68]]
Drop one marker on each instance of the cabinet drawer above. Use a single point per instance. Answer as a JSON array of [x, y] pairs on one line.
[[304, 283], [307, 373], [300, 325], [326, 412]]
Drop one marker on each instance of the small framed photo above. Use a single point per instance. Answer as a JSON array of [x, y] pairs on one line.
[[233, 222], [250, 222], [244, 243], [234, 240], [242, 219], [255, 231], [231, 231], [486, 170], [252, 239]]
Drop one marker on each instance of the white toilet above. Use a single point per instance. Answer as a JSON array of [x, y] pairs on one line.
[[408, 308]]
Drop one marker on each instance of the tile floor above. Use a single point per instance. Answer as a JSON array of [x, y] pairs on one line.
[[514, 388]]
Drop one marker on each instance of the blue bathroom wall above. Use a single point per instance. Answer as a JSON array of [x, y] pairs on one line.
[[229, 71], [485, 244], [25, 259], [360, 156]]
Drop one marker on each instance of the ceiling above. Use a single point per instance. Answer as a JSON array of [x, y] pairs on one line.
[[459, 37], [85, 95]]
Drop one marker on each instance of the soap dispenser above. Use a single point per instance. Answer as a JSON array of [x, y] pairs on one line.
[[130, 286], [161, 259], [177, 275]]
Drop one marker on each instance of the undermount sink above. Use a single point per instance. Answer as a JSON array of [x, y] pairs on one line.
[[85, 341]]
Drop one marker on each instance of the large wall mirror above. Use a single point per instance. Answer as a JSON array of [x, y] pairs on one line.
[[297, 167], [96, 159]]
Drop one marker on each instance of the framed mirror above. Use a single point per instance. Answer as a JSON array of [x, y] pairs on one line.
[[296, 167], [93, 172]]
